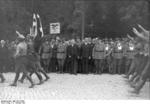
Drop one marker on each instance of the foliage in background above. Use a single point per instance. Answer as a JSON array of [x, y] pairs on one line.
[[104, 18]]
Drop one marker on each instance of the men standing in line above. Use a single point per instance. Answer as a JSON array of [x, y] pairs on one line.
[[45, 54], [91, 61], [79, 61], [130, 52], [85, 55], [61, 55], [124, 58], [98, 56], [53, 64], [68, 57], [66, 61], [108, 56], [118, 54], [72, 54]]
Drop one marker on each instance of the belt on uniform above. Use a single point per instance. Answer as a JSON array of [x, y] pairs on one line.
[[99, 51], [118, 52], [130, 51]]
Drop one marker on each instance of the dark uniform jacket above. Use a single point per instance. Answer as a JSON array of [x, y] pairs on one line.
[[118, 52], [130, 51], [72, 51], [85, 51]]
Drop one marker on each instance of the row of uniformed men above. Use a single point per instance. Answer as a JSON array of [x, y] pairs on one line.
[[87, 56]]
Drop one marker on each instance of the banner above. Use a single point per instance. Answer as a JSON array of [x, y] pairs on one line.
[[33, 29], [55, 28], [39, 26]]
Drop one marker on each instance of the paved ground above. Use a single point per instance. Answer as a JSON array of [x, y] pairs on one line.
[[74, 87]]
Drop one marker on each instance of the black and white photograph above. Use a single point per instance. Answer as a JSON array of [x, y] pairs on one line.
[[74, 50]]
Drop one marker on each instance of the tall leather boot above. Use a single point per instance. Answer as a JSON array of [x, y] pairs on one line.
[[29, 78], [15, 80], [132, 78], [139, 86], [44, 73], [135, 81]]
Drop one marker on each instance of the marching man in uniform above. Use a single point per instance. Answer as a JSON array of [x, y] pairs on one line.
[[21, 47], [34, 61], [21, 62]]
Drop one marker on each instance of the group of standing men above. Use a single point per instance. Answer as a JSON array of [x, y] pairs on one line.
[[128, 56], [88, 55]]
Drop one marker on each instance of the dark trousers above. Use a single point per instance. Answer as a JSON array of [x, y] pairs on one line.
[[21, 67], [99, 65], [140, 68], [79, 61], [91, 66], [117, 66], [65, 65], [53, 65], [128, 64], [144, 76], [123, 68], [132, 68], [45, 64], [37, 65], [85, 64], [109, 60], [61, 65], [72, 65], [146, 71]]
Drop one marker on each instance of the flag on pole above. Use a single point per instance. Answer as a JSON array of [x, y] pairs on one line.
[[34, 26], [39, 26], [39, 33]]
